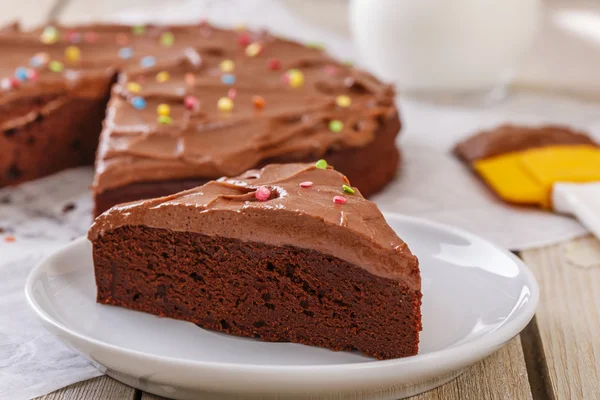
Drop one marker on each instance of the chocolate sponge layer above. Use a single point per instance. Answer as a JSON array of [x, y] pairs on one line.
[[273, 293]]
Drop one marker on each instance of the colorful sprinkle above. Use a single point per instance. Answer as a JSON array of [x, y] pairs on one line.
[[321, 164], [340, 200], [232, 93], [167, 39], [162, 77], [190, 79], [258, 102], [294, 78], [164, 119], [6, 84], [225, 104], [227, 66], [343, 101], [306, 184], [228, 79], [348, 189], [330, 70], [138, 29], [262, 193], [50, 35], [163, 109], [122, 39], [138, 103], [273, 64], [21, 74], [254, 49], [73, 37], [9, 239], [239, 27], [90, 37], [336, 125], [191, 102], [56, 66], [32, 74], [73, 54], [148, 61], [39, 59], [244, 39], [133, 87], [315, 46], [348, 63], [125, 53]]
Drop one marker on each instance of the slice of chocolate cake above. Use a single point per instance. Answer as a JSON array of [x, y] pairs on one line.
[[286, 253]]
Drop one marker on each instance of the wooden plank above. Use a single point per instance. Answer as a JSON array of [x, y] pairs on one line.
[[101, 388], [501, 376], [568, 318]]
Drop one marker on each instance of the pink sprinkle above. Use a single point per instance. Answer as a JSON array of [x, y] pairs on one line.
[[273, 64], [285, 78], [330, 70], [191, 102], [262, 193], [90, 37], [306, 184], [14, 82], [73, 36], [244, 39], [340, 200], [232, 93], [32, 74]]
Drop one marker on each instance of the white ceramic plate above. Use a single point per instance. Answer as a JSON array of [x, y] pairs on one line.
[[476, 297]]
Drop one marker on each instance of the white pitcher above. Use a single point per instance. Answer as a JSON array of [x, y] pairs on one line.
[[444, 48]]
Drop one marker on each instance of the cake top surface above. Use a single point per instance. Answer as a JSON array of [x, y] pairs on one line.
[[512, 138], [289, 204], [194, 101]]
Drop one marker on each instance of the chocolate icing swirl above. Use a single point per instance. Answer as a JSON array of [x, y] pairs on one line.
[[305, 217]]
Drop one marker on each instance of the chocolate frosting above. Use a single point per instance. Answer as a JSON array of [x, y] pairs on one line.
[[510, 138], [305, 217]]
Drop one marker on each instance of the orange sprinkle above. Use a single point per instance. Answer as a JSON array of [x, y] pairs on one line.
[[9, 239], [259, 102]]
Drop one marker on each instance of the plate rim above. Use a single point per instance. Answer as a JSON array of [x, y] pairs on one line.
[[458, 355]]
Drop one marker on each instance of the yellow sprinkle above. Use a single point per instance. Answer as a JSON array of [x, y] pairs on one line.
[[72, 53], [240, 27], [227, 66], [55, 66], [133, 87], [163, 109], [296, 78], [162, 77], [253, 49], [49, 35], [225, 104], [343, 101]]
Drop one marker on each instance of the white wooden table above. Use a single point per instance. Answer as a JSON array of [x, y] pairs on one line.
[[556, 357]]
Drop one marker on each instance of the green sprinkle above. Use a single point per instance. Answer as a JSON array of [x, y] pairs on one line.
[[336, 125], [138, 29], [56, 66], [348, 189], [348, 63], [321, 164], [315, 46], [167, 39], [164, 119]]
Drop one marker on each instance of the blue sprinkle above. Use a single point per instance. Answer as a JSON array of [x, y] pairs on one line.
[[125, 53], [228, 79], [148, 61], [21, 73], [138, 103], [35, 62]]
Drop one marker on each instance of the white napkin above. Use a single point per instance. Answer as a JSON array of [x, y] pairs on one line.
[[432, 184]]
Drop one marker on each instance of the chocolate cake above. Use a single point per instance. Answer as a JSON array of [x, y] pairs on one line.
[[290, 252], [190, 104]]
